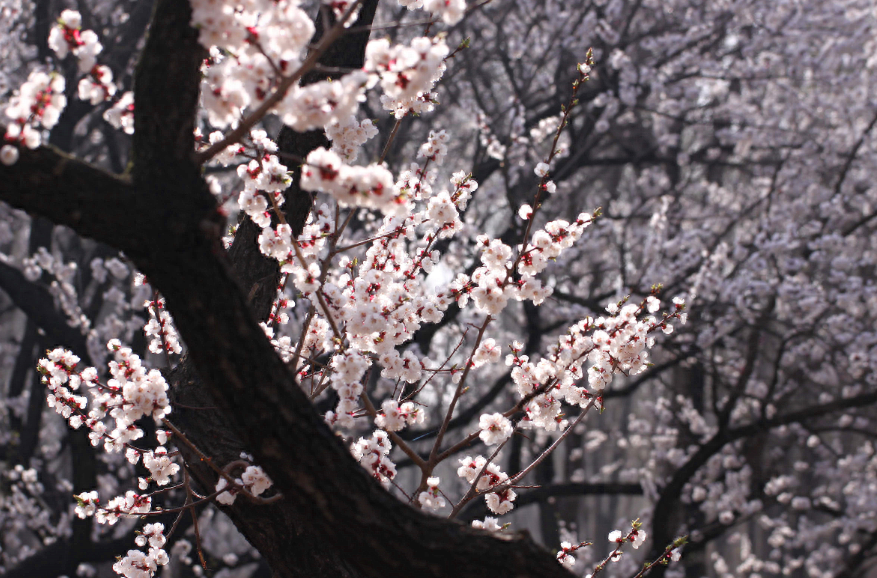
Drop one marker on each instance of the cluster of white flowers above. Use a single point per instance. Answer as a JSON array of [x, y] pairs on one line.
[[380, 308], [348, 135], [227, 497], [395, 416], [489, 524], [277, 242], [323, 103], [139, 564], [121, 114], [160, 327], [636, 537], [564, 556], [40, 100], [131, 393], [86, 504], [280, 31], [131, 504], [161, 467], [67, 37], [615, 344], [435, 148], [97, 86], [432, 498], [373, 455], [256, 206], [548, 243], [353, 186], [60, 375], [450, 11], [395, 366], [265, 174], [407, 73], [443, 214], [38, 103], [498, 502], [491, 285], [495, 428], [254, 481], [251, 44], [143, 393], [488, 352], [347, 371]]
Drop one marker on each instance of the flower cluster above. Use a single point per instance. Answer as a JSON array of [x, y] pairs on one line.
[[489, 524], [495, 428], [139, 564], [347, 371], [353, 186], [250, 43], [131, 504], [254, 482], [279, 31], [564, 556], [60, 375], [615, 344], [97, 86], [39, 103], [348, 135], [160, 328], [160, 465], [395, 416], [636, 536], [432, 498], [86, 504], [487, 352], [121, 114], [373, 454], [323, 103], [498, 502], [435, 148], [143, 393], [407, 73], [131, 393], [67, 37], [450, 11]]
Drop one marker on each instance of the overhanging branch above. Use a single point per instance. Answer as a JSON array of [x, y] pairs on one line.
[[70, 192]]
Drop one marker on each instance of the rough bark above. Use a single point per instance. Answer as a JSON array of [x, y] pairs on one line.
[[278, 531]]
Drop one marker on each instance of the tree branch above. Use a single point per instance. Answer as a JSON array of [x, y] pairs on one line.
[[38, 304], [67, 191], [566, 490]]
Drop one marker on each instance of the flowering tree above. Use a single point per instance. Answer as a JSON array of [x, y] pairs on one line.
[[390, 299], [731, 165]]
